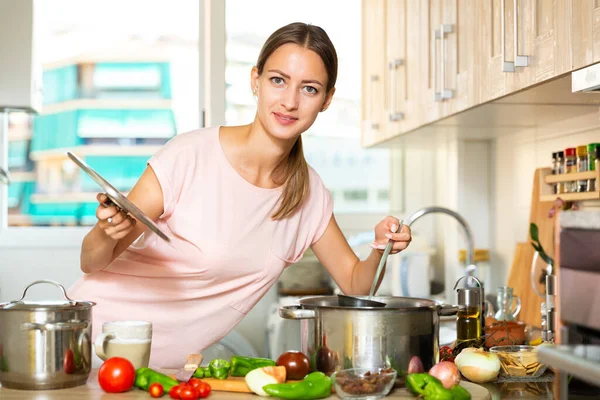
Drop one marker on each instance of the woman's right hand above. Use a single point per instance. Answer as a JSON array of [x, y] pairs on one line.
[[114, 222]]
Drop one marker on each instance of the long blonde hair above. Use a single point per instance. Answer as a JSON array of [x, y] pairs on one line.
[[295, 177]]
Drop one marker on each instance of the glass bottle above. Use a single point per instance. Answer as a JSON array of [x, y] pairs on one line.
[[505, 300], [560, 169], [555, 170], [468, 320], [591, 149], [582, 166], [570, 167]]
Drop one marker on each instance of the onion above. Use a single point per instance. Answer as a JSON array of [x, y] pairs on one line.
[[478, 365], [415, 366], [447, 373]]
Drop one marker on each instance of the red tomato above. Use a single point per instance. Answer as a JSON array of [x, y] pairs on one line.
[[116, 375], [446, 354], [175, 391], [203, 390], [69, 362], [189, 393], [156, 390], [296, 364]]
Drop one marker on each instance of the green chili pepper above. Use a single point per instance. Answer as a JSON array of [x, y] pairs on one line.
[[199, 373], [219, 368], [316, 385], [240, 366], [207, 373], [144, 377], [436, 391], [460, 393], [416, 382]]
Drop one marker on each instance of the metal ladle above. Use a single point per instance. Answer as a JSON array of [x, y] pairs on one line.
[[352, 301]]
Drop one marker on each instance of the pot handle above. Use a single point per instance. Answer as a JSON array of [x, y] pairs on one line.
[[296, 312], [54, 326], [447, 309], [58, 285]]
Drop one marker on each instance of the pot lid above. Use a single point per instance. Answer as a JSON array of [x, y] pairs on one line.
[[392, 303], [66, 304]]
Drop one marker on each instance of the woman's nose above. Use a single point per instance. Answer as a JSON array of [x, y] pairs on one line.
[[290, 99]]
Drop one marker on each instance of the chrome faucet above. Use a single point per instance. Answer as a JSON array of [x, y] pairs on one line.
[[468, 233]]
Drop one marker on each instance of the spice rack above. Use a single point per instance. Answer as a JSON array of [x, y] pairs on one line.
[[548, 179]]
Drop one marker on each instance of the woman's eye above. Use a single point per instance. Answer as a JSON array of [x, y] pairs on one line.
[[277, 80], [311, 89]]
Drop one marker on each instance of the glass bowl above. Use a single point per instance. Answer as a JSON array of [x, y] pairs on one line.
[[363, 383], [519, 362]]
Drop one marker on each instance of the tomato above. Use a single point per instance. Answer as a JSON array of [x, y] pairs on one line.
[[69, 362], [176, 390], [296, 364], [203, 390], [116, 375], [189, 393], [446, 354], [156, 390]]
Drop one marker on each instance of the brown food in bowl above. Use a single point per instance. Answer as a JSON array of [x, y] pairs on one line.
[[370, 382]]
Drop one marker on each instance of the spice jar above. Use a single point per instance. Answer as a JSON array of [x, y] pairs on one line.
[[554, 170], [582, 166], [570, 167], [591, 149], [560, 169]]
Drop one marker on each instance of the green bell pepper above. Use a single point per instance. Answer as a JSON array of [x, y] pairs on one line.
[[144, 377], [316, 385], [240, 366], [219, 368], [431, 388], [198, 373]]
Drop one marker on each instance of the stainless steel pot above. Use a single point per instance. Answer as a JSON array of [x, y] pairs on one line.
[[45, 344], [336, 337]]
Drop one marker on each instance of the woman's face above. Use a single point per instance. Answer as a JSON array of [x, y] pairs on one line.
[[291, 91]]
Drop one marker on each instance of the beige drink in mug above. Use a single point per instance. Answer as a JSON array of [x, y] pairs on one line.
[[127, 339]]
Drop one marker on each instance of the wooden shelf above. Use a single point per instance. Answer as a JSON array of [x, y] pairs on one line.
[[572, 196], [576, 176], [548, 180]]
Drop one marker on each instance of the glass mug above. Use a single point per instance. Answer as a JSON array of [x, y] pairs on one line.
[[127, 339], [505, 301]]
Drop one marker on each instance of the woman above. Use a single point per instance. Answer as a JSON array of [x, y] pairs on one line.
[[240, 204]]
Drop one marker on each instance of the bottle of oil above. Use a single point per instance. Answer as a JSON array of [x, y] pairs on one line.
[[468, 321]]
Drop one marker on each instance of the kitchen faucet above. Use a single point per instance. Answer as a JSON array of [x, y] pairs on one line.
[[469, 234]]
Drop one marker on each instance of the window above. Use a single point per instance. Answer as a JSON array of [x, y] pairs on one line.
[[355, 176], [120, 79]]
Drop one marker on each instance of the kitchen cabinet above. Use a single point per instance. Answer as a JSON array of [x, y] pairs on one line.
[[530, 42], [585, 33], [373, 72]]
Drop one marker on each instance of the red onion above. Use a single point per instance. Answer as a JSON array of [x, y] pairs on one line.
[[447, 372], [415, 366]]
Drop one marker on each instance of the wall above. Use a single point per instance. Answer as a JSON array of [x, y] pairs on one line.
[[516, 158]]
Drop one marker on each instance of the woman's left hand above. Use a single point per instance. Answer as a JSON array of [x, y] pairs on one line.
[[386, 230]]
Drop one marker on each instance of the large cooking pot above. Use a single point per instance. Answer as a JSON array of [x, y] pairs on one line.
[[336, 337], [45, 344]]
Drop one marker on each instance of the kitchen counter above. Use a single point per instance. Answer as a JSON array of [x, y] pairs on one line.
[[92, 390]]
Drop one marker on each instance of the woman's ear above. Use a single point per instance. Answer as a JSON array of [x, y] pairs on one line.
[[328, 99], [254, 81]]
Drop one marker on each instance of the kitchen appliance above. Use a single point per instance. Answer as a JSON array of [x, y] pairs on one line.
[[578, 274], [45, 344], [335, 337]]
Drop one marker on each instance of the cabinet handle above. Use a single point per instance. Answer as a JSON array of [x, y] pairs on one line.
[[444, 93], [507, 66], [395, 115], [520, 61], [374, 78]]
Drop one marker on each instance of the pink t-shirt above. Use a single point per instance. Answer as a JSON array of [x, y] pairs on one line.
[[225, 251]]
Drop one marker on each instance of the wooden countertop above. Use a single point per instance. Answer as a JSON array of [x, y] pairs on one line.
[[92, 391]]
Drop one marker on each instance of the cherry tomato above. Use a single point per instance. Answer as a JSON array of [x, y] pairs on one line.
[[116, 375], [203, 390], [446, 354], [175, 391], [69, 362], [296, 364], [156, 390], [189, 393]]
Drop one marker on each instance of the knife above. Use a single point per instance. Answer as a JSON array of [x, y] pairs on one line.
[[192, 363]]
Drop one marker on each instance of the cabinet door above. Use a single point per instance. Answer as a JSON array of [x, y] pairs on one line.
[[373, 72], [585, 32], [432, 60], [404, 44]]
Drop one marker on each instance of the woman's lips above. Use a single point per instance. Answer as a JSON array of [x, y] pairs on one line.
[[284, 120]]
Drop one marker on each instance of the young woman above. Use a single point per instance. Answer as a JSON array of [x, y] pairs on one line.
[[240, 204]]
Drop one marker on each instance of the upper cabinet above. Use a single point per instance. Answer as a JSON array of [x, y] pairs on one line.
[[425, 60]]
